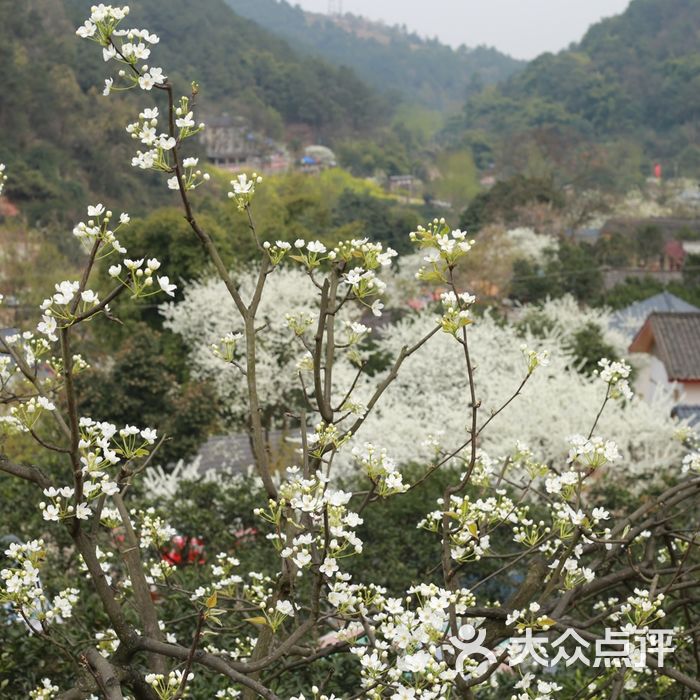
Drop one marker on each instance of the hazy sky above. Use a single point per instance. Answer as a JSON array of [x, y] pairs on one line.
[[522, 28]]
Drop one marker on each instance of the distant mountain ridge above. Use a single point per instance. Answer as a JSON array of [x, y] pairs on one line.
[[390, 58], [633, 80]]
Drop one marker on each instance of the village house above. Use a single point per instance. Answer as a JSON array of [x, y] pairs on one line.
[[671, 340], [629, 320], [671, 235], [230, 144], [317, 158]]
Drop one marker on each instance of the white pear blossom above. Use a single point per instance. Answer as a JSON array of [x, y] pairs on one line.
[[166, 286]]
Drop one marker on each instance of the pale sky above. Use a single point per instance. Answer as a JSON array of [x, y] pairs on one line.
[[521, 28]]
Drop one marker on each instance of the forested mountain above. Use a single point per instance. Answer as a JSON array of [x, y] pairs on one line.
[[236, 61], [633, 80], [389, 58], [61, 139]]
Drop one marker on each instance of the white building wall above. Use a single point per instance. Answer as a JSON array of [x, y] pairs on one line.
[[652, 380]]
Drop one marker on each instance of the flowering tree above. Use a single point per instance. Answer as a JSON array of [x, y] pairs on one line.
[[407, 424], [523, 543]]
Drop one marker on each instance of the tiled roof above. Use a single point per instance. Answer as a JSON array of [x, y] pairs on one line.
[[233, 452], [676, 339], [630, 319]]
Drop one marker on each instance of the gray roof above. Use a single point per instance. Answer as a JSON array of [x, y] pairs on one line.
[[687, 412], [233, 453], [675, 338], [630, 319]]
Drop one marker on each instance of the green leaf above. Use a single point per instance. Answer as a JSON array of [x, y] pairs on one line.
[[257, 621]]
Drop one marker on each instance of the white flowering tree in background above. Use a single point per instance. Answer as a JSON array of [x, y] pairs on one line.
[[207, 319], [426, 400], [525, 547]]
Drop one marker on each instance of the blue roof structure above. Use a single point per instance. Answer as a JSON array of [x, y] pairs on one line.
[[687, 412], [630, 319]]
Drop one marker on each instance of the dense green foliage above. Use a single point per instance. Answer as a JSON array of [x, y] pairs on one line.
[[240, 65], [145, 381], [633, 81], [588, 347], [389, 58], [639, 288], [61, 139], [504, 202], [572, 269]]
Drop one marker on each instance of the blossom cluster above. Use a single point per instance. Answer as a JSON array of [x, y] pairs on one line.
[[529, 618], [364, 284], [594, 452], [3, 177], [380, 468], [226, 348], [154, 531], [22, 588], [365, 257], [168, 687], [456, 311], [70, 301], [139, 279], [159, 144], [61, 506], [62, 308], [642, 608], [534, 358], [21, 583], [469, 522], [26, 414], [46, 691], [406, 657], [243, 190], [691, 462], [443, 247], [311, 253], [533, 689], [128, 47], [101, 447], [325, 527], [97, 228], [33, 351], [616, 375], [192, 176], [572, 571]]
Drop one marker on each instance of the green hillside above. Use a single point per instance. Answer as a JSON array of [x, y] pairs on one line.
[[633, 80], [389, 58], [61, 139]]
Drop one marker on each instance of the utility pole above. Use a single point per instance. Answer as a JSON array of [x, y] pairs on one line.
[[335, 7]]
